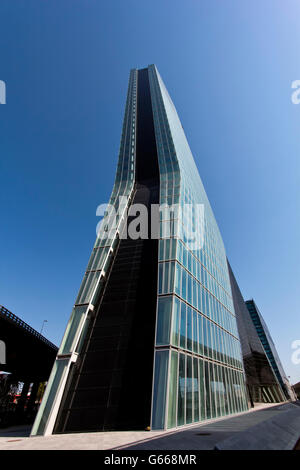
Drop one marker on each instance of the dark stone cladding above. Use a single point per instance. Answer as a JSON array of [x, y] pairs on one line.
[[110, 387]]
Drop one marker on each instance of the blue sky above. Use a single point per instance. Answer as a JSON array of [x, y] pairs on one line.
[[228, 67]]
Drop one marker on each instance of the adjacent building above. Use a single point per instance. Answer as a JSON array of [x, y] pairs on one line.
[[262, 382], [269, 348], [296, 388], [152, 340]]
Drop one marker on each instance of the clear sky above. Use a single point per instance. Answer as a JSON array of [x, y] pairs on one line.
[[228, 66]]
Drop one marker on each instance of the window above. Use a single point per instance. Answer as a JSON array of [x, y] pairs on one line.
[[183, 287], [195, 332], [178, 279], [159, 390], [189, 329], [183, 326], [173, 389], [176, 321], [189, 390], [181, 391], [207, 387], [196, 389], [164, 310]]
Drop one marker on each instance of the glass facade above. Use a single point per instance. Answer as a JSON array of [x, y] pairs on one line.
[[262, 382], [269, 347], [193, 360], [196, 329]]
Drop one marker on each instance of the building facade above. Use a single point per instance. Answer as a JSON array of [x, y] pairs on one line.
[[269, 348], [296, 389], [152, 340], [262, 383]]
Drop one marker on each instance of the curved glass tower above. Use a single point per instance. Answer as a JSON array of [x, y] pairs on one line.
[[152, 339]]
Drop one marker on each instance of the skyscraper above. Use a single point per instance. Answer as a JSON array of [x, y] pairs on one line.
[[152, 339], [269, 348], [261, 380]]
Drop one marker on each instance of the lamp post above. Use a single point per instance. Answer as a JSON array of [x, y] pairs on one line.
[[45, 321]]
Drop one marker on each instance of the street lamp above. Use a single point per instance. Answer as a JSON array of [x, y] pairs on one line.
[[45, 321]]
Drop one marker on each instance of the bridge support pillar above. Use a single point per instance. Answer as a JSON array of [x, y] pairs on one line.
[[22, 400], [30, 410]]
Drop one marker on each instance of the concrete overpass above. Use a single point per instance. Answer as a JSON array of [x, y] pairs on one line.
[[26, 354]]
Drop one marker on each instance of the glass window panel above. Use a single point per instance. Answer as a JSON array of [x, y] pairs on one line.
[[71, 334], [163, 324], [57, 374], [159, 389], [212, 343], [173, 249], [167, 249], [195, 332], [199, 288], [220, 344], [195, 300], [209, 341], [207, 302], [161, 250], [184, 257], [165, 288], [196, 389], [160, 277], [234, 400], [184, 281], [194, 267], [181, 391], [212, 312], [173, 389], [178, 279], [224, 357], [222, 391], [189, 390], [179, 255], [189, 329], [171, 277], [237, 389], [204, 325], [226, 396], [183, 326], [189, 261], [229, 390], [207, 390], [200, 335], [213, 390], [176, 321], [190, 291], [203, 307], [202, 390]]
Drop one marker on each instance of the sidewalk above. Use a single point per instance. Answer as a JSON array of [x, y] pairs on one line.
[[195, 437]]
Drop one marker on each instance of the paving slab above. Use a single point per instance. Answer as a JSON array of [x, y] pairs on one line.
[[196, 437], [279, 432]]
